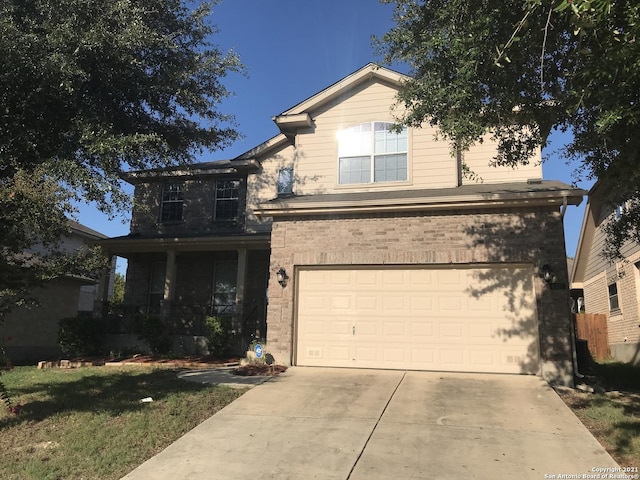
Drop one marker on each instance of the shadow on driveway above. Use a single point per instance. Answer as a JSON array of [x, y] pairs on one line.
[[377, 424]]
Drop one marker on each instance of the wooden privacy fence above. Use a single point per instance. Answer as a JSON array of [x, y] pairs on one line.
[[592, 327]]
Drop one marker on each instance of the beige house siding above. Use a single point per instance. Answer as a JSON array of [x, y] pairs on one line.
[[624, 323], [596, 294], [431, 163], [597, 263], [530, 237], [478, 159], [262, 186], [624, 327]]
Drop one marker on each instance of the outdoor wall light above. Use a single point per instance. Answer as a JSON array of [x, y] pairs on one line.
[[282, 277], [547, 273]]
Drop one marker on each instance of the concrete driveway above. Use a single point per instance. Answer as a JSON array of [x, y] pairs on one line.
[[373, 424]]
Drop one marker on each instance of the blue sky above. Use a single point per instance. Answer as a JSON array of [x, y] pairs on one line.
[[292, 49]]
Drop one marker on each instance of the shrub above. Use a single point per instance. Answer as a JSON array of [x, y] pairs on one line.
[[155, 330], [219, 334], [80, 336]]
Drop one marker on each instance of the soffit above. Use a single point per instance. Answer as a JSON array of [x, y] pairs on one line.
[[546, 193]]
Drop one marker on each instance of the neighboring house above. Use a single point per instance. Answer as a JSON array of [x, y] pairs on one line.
[[611, 288], [376, 250], [30, 334]]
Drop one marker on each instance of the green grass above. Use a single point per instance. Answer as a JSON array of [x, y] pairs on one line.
[[613, 417], [89, 422]]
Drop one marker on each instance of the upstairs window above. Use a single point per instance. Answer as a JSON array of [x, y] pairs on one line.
[[172, 203], [227, 200], [285, 182], [613, 297], [372, 153]]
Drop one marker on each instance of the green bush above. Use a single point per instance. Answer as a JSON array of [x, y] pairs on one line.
[[219, 334], [155, 330], [80, 336]]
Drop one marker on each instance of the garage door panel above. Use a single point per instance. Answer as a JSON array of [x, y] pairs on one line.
[[394, 329], [394, 304], [367, 303], [421, 330], [473, 319]]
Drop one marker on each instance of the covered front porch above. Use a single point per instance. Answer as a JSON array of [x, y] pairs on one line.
[[185, 280]]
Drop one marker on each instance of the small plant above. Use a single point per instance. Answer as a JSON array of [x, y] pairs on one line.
[[219, 334], [5, 364], [155, 330], [80, 336]]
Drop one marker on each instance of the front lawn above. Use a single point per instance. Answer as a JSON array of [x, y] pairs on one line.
[[89, 422], [612, 417]]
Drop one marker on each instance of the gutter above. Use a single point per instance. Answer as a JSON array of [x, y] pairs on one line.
[[405, 205], [564, 206]]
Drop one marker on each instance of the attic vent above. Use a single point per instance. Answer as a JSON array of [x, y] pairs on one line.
[[534, 181]]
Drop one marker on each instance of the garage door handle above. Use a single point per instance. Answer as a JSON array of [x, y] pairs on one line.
[[354, 330]]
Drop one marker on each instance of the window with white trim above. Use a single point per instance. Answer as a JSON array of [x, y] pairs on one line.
[[172, 203], [285, 182], [227, 200], [613, 297], [371, 153]]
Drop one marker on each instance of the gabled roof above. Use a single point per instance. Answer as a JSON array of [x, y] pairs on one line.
[[585, 240], [84, 230], [369, 71], [299, 116]]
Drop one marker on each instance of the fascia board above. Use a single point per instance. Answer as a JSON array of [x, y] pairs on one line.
[[265, 147], [587, 231], [193, 171], [138, 245], [418, 204], [368, 71]]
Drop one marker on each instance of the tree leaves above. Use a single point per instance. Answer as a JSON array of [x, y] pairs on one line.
[[522, 69], [90, 89]]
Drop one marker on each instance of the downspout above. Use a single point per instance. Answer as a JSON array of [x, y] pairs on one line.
[[576, 372], [564, 206]]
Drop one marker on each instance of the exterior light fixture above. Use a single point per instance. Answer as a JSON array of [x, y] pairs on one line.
[[547, 273], [282, 277]]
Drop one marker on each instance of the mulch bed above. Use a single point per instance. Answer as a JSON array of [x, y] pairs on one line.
[[181, 362], [190, 361], [259, 370]]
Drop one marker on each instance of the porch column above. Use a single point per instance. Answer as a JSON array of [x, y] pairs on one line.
[[169, 281], [101, 302], [241, 280]]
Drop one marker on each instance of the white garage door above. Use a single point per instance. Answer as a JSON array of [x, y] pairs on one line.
[[450, 319]]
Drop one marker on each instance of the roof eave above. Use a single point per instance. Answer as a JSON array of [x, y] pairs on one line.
[[124, 246], [192, 170], [419, 204], [369, 71]]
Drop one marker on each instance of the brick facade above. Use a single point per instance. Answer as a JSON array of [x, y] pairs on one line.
[[534, 236]]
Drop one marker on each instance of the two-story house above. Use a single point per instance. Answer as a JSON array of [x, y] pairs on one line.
[[377, 250], [609, 287]]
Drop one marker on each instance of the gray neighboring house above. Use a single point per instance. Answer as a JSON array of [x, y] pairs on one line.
[[610, 288], [354, 245], [30, 334]]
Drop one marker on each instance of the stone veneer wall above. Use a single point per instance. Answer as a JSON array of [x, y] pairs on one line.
[[532, 236]]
